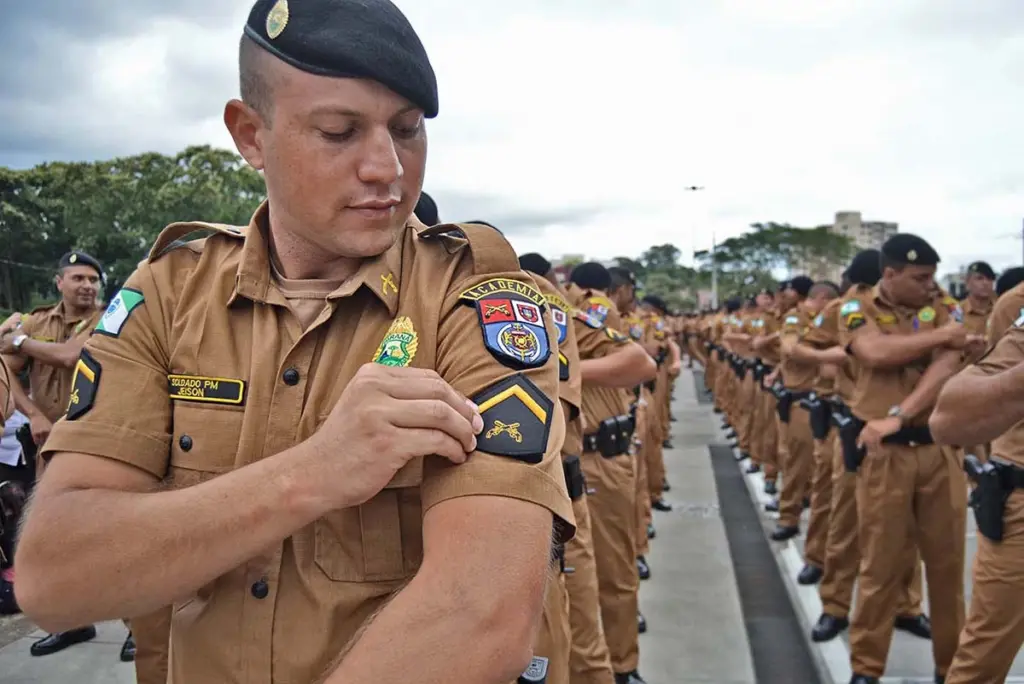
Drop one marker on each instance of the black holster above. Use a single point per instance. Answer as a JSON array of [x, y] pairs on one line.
[[821, 416], [575, 482], [994, 482], [849, 430], [784, 405]]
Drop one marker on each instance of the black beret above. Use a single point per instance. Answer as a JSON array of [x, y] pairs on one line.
[[909, 249], [733, 304], [534, 263], [478, 222], [981, 268], [865, 268], [784, 285], [1010, 279], [426, 210], [369, 39], [591, 276], [801, 285], [80, 259], [655, 301]]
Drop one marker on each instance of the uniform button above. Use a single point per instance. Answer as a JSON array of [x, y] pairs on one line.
[[185, 442], [260, 589], [291, 377]]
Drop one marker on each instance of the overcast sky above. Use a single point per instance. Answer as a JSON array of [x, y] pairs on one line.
[[574, 125]]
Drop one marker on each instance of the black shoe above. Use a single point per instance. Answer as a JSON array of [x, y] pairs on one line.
[[940, 679], [753, 468], [629, 678], [55, 643], [651, 534], [809, 575], [806, 503], [667, 444], [918, 625], [731, 434], [717, 410], [641, 623], [128, 649], [863, 679], [770, 488], [744, 455], [642, 568], [828, 628], [782, 533], [772, 506], [673, 419], [661, 505], [665, 486]]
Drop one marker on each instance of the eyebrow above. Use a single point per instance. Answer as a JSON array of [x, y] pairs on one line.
[[344, 111]]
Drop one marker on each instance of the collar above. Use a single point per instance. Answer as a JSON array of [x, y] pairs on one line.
[[61, 312], [983, 310], [253, 278]]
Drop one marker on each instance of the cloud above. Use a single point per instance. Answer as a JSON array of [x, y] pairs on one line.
[[575, 125]]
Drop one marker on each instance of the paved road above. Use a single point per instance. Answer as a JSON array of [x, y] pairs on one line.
[[697, 633]]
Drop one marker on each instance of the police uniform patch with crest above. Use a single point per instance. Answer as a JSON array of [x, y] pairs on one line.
[[560, 315], [84, 383], [953, 306], [517, 419], [399, 345], [586, 319], [598, 307], [511, 317]]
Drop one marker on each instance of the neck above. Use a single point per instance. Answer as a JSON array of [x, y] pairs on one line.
[[72, 311], [978, 301], [299, 259]]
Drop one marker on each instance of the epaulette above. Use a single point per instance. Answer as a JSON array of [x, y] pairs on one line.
[[171, 237], [43, 308], [491, 251]]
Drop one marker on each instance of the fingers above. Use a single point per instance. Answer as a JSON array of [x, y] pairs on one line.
[[432, 414], [423, 442], [429, 385]]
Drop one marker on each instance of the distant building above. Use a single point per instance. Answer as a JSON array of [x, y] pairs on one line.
[[863, 234], [955, 283]]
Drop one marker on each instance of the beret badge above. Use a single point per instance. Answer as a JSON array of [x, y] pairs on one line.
[[277, 19]]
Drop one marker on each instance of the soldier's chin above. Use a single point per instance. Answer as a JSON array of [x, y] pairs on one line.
[[367, 243]]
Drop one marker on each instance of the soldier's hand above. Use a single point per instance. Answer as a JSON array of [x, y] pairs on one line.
[[386, 417], [40, 426], [12, 322], [956, 335]]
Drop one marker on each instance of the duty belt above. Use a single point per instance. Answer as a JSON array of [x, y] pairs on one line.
[[575, 483], [612, 437]]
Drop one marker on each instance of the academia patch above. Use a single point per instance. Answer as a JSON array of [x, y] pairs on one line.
[[559, 314], [118, 312], [206, 390], [84, 382], [512, 321]]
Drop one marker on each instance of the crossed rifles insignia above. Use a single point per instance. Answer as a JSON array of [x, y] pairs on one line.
[[496, 308], [510, 429]]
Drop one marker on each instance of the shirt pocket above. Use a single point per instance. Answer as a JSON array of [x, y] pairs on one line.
[[204, 443], [379, 541]]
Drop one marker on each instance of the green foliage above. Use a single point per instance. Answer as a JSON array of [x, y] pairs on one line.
[[113, 210]]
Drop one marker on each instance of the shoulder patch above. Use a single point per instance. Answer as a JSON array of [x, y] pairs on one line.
[[792, 320], [512, 321], [926, 315], [559, 314], [598, 307], [517, 419], [636, 331], [536, 672], [854, 321], [587, 319], [198, 388], [399, 345], [563, 367], [852, 306], [118, 311], [818, 320], [954, 308], [171, 237], [84, 383], [1017, 323], [615, 336]]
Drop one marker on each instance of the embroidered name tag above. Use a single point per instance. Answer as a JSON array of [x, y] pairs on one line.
[[211, 390]]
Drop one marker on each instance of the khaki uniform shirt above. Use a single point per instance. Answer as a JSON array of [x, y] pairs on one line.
[[771, 324], [212, 371], [824, 334], [570, 377], [976, 316], [876, 390], [597, 335], [1008, 352], [51, 385], [6, 399], [796, 375], [1007, 311]]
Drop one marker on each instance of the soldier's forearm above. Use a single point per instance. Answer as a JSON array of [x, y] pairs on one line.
[[22, 401], [975, 408]]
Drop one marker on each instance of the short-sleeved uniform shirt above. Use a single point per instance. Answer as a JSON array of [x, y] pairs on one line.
[[570, 377], [6, 399], [796, 375], [213, 370], [876, 390], [1007, 353], [771, 324], [51, 385], [976, 321], [598, 334], [1007, 312], [823, 333]]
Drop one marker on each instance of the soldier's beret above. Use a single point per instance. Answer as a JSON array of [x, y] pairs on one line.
[[369, 39], [426, 210], [981, 268], [783, 286], [76, 258], [479, 222], [1010, 278], [534, 263], [657, 302], [910, 250], [865, 268], [801, 285], [733, 304], [591, 276]]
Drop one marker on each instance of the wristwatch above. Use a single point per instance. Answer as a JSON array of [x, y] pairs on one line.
[[18, 341], [896, 412]]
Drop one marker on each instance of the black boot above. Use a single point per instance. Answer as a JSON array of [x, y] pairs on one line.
[[641, 623], [918, 625], [828, 628], [782, 533], [770, 488], [642, 568], [128, 649], [809, 575], [650, 531], [661, 505]]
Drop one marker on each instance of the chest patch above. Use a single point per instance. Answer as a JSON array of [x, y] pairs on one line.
[[399, 345], [511, 319], [206, 390]]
